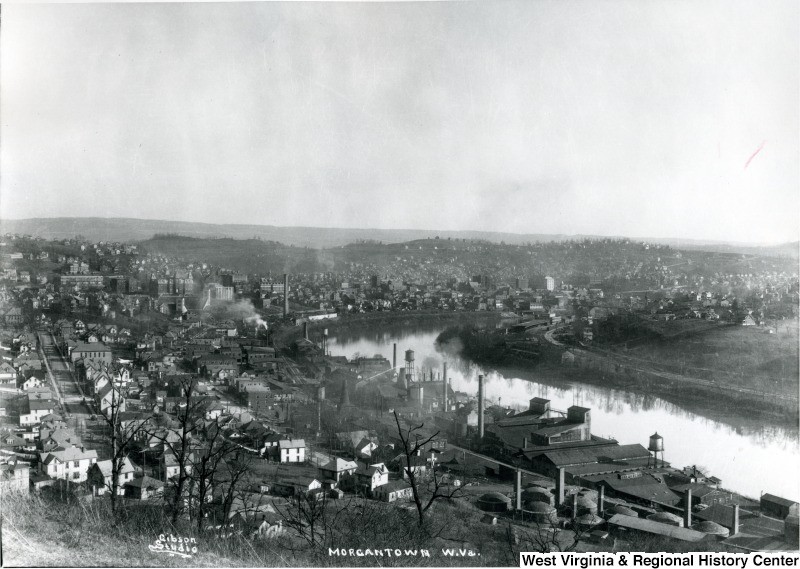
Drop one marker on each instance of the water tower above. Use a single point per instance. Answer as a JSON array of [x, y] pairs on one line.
[[409, 366], [656, 446]]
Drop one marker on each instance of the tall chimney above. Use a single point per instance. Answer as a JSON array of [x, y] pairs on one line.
[[560, 488], [735, 528], [687, 509], [601, 500], [480, 407], [444, 387], [518, 489], [305, 330], [394, 356], [286, 294]]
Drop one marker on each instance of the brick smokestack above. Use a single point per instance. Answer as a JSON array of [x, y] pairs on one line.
[[735, 528], [560, 488], [305, 330], [394, 356], [444, 387], [480, 407], [518, 489], [687, 509], [286, 294], [601, 500]]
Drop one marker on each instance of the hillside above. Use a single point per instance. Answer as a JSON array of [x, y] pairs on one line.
[[130, 229], [245, 255]]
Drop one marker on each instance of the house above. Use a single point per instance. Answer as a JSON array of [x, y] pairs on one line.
[[369, 477], [70, 464], [144, 488], [7, 373], [349, 440], [14, 477], [33, 381], [393, 491], [169, 466], [292, 450], [53, 438], [107, 397], [365, 448], [270, 446], [337, 469], [100, 475], [418, 465], [292, 481], [748, 321], [37, 407]]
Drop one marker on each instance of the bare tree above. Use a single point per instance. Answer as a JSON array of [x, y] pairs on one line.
[[179, 442], [543, 536], [435, 484], [236, 472], [209, 465], [123, 436], [305, 513]]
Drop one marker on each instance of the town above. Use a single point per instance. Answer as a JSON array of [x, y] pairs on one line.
[[165, 376]]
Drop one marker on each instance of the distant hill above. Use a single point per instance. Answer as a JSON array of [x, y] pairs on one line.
[[130, 229], [244, 255]]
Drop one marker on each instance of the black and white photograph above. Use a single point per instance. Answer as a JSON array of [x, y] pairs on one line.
[[480, 283]]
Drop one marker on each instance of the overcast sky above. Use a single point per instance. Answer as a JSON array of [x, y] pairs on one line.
[[659, 119]]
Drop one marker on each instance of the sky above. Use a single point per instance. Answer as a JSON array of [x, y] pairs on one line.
[[611, 117]]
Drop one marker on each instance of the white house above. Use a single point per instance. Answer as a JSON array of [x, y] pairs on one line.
[[337, 468], [292, 450], [37, 408], [105, 468], [69, 464], [393, 491], [369, 477]]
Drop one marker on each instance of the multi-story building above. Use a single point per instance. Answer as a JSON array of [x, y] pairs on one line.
[[70, 464], [95, 351], [80, 282], [37, 407], [292, 450]]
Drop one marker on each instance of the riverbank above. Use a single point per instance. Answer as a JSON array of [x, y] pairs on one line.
[[718, 402], [738, 415], [348, 325]]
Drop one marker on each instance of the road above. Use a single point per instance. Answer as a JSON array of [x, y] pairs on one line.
[[66, 388], [549, 336]]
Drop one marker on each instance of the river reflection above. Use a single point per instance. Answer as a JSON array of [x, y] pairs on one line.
[[747, 455]]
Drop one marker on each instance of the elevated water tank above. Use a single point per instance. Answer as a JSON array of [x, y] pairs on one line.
[[656, 443]]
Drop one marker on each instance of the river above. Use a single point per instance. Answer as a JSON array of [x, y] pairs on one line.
[[747, 455]]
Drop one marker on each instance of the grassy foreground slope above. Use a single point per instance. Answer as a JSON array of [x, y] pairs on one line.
[[49, 531]]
